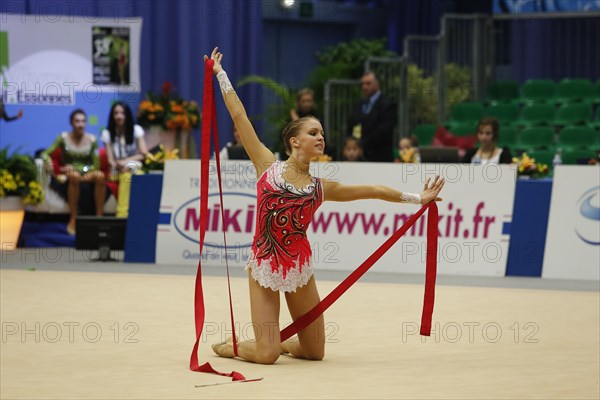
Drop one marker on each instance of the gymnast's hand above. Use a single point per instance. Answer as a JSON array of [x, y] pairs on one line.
[[430, 193], [217, 57]]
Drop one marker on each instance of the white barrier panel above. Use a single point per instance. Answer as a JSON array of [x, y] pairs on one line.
[[477, 203], [573, 239]]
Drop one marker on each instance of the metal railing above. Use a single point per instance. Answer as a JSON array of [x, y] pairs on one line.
[[460, 63], [340, 97]]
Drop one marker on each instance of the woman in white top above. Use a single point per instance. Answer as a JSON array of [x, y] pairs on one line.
[[488, 132], [125, 150]]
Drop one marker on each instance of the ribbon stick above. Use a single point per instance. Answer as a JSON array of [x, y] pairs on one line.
[[209, 118]]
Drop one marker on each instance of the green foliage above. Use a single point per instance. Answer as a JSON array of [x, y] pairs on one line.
[[423, 92], [16, 163], [18, 176], [458, 84], [277, 113], [345, 60]]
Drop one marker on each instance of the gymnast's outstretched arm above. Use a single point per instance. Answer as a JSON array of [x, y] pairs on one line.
[[260, 155], [335, 191]]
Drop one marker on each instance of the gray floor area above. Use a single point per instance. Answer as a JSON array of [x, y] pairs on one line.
[[69, 259]]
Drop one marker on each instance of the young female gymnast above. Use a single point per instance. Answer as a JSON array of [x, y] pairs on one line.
[[281, 260]]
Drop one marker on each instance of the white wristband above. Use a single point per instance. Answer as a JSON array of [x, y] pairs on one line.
[[413, 198], [224, 83]]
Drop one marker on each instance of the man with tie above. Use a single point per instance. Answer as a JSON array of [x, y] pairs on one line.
[[373, 121]]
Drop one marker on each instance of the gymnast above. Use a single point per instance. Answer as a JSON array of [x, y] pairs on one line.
[[281, 259]]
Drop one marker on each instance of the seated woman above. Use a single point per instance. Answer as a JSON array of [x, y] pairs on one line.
[[488, 151], [78, 164], [125, 150], [234, 150]]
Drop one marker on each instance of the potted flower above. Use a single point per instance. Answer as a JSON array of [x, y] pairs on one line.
[[169, 119], [156, 161], [18, 186], [527, 167]]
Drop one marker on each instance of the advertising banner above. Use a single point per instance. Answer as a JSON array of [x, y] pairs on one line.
[[473, 226], [573, 239]]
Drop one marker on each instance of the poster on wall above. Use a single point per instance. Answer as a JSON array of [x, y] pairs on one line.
[[474, 217], [110, 55], [86, 63]]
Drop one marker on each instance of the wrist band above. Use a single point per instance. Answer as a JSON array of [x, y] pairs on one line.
[[224, 83], [413, 198]]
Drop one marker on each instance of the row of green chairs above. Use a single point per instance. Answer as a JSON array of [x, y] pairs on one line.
[[539, 138], [567, 157], [533, 115], [535, 91], [569, 138]]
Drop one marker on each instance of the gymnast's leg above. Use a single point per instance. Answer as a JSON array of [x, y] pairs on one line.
[[311, 340], [264, 304]]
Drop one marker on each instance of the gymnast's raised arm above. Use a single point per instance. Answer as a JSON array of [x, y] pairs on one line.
[[261, 157]]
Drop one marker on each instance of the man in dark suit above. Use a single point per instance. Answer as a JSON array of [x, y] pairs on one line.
[[373, 121]]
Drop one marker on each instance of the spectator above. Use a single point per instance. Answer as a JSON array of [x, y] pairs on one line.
[[352, 150], [488, 151], [373, 121], [234, 150], [305, 105], [125, 151], [78, 163], [408, 150]]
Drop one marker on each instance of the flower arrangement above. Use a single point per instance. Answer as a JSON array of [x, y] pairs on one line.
[[18, 177], [410, 155], [168, 110], [526, 166], [322, 158], [156, 161]]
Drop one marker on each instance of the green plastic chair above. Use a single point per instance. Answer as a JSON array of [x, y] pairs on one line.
[[505, 113], [507, 137], [464, 128], [594, 99], [425, 134], [537, 115], [578, 137], [502, 92], [539, 138], [575, 157], [544, 157], [573, 91], [573, 114], [465, 112], [536, 91]]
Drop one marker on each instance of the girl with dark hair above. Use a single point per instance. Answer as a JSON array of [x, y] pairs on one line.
[[281, 258], [488, 132], [125, 150]]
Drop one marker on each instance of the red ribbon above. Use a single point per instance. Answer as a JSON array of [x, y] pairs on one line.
[[209, 116], [432, 239]]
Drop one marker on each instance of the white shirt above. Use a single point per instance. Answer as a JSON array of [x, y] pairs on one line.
[[494, 160], [121, 149]]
